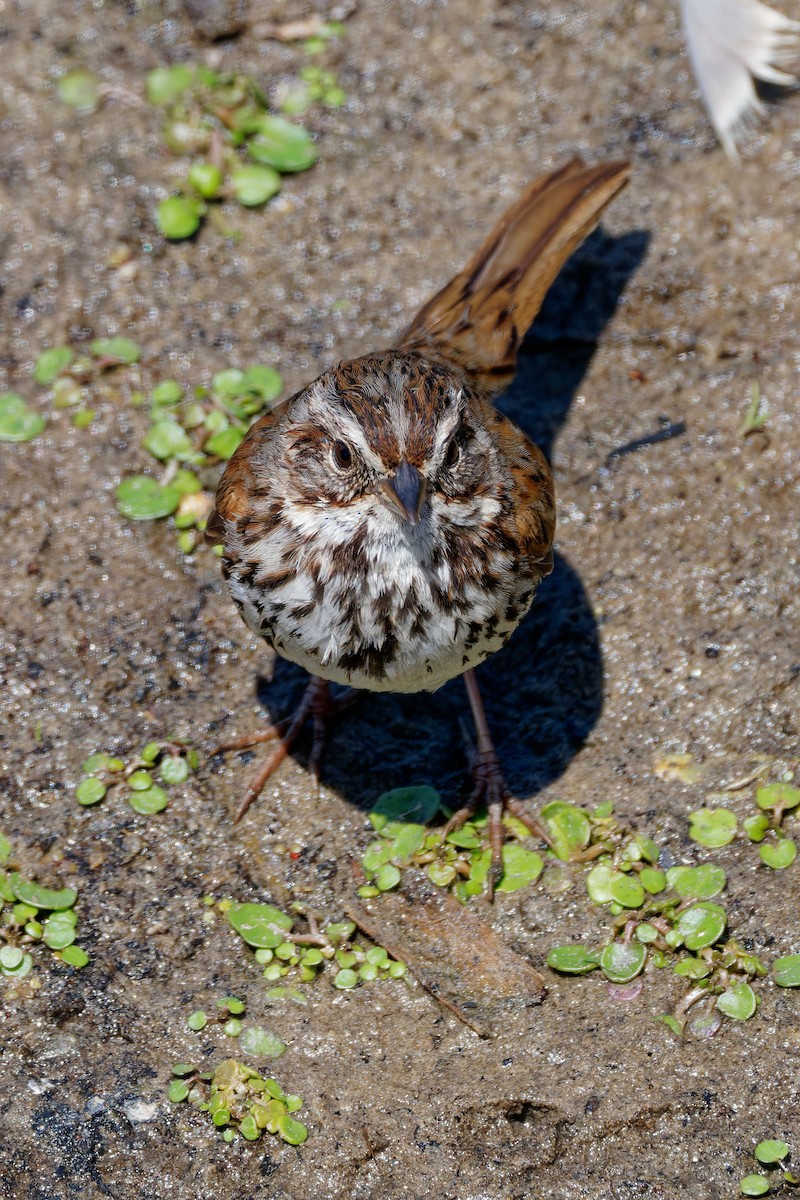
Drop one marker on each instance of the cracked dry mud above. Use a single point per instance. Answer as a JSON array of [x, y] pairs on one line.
[[669, 624]]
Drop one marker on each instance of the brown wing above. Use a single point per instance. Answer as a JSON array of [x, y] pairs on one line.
[[232, 502], [480, 318]]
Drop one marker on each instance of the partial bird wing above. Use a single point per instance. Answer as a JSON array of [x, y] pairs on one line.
[[480, 318], [729, 42], [234, 494]]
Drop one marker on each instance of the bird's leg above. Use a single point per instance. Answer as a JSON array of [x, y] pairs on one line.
[[491, 788], [316, 706]]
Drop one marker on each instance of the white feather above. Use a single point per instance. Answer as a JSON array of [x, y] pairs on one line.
[[730, 42]]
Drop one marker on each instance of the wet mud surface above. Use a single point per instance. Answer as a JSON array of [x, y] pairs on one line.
[[669, 624]]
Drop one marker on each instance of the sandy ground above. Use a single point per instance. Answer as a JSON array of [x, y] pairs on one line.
[[670, 623]]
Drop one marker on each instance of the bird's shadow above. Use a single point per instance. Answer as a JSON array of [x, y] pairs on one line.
[[543, 691]]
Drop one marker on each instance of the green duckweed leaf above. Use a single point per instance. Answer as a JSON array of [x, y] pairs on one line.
[[17, 422], [340, 931], [572, 960], [11, 957], [166, 393], [712, 827], [756, 827], [178, 217], [35, 896], [466, 838], [738, 1001], [206, 179], [387, 877], [672, 1023], [173, 769], [771, 1151], [51, 363], [58, 930], [74, 957], [79, 90], [90, 791], [786, 971], [281, 144], [225, 442], [778, 795], [417, 805], [247, 1127], [21, 970], [259, 1042], [652, 880], [264, 382], [754, 1185], [778, 854], [101, 762], [140, 498], [254, 184], [569, 828], [164, 85], [627, 891], [441, 873], [520, 867], [375, 856], [645, 932], [186, 482], [599, 881], [140, 781], [406, 841], [229, 383], [260, 925], [622, 961], [702, 925], [148, 801], [345, 979], [292, 1131], [698, 883], [167, 439], [120, 349]]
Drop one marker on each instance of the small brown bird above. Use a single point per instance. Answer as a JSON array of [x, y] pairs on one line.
[[386, 527]]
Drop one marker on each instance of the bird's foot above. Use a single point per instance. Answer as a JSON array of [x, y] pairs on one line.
[[491, 789], [315, 708]]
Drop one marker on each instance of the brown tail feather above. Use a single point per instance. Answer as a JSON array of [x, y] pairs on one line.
[[480, 318]]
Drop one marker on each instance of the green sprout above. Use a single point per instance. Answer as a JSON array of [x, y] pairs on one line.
[[323, 946], [716, 827], [253, 1039], [317, 85], [776, 848], [756, 416], [189, 433], [32, 914], [712, 827], [240, 149], [72, 378], [80, 90], [18, 423], [169, 761], [459, 860], [773, 1154], [239, 1100]]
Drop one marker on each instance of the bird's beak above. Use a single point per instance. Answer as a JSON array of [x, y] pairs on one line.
[[404, 492]]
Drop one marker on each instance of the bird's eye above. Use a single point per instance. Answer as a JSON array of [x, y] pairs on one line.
[[342, 455], [453, 454]]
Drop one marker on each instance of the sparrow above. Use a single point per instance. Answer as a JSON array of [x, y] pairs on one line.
[[386, 527]]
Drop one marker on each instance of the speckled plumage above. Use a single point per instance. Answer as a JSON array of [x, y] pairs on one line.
[[386, 527], [339, 583]]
